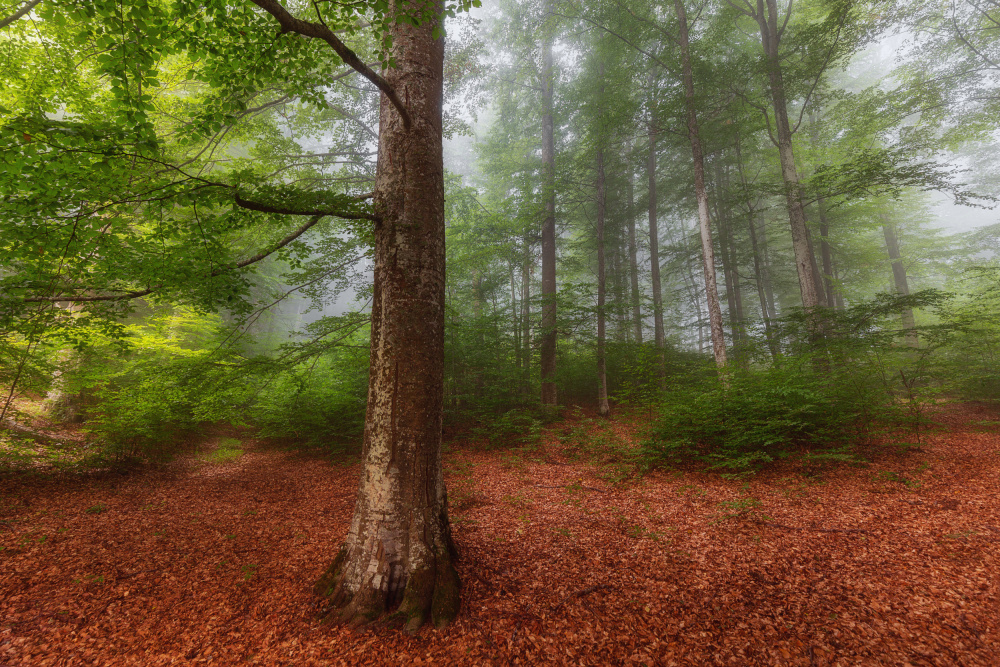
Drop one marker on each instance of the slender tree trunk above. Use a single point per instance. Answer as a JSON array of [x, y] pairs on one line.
[[398, 552], [654, 250], [767, 20], [603, 408], [772, 311], [839, 295], [758, 268], [548, 343], [729, 273], [817, 276], [516, 324], [705, 223], [633, 261], [826, 254], [772, 343], [526, 343], [899, 278]]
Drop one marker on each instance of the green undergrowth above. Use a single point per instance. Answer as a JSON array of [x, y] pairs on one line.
[[226, 450], [739, 423], [594, 439]]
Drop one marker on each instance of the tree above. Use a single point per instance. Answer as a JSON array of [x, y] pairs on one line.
[[398, 554]]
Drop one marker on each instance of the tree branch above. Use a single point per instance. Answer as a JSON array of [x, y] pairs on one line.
[[217, 272], [319, 31], [19, 13]]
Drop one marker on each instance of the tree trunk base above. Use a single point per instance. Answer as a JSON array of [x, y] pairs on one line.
[[430, 593]]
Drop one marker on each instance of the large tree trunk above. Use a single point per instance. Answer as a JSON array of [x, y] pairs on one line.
[[899, 278], [654, 245], [398, 554], [548, 342], [704, 220]]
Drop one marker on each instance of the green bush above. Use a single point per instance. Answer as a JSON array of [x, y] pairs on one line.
[[752, 417], [514, 428]]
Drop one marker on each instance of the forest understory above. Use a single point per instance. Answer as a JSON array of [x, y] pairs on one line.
[[565, 559]]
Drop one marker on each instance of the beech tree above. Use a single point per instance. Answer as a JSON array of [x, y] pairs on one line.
[[398, 554]]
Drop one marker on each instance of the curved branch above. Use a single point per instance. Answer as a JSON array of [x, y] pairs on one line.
[[319, 31]]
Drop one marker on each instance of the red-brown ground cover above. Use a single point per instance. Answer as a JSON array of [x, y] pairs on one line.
[[894, 563]]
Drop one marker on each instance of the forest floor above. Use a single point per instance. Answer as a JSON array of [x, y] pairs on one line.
[[210, 558]]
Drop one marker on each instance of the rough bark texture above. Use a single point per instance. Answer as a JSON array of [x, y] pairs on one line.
[[397, 556], [899, 279], [704, 220], [548, 337]]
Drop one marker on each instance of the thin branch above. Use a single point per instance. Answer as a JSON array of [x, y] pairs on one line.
[[319, 31]]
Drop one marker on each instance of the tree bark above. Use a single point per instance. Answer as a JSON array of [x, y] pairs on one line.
[[767, 21], [654, 246], [526, 344], [899, 278], [548, 334], [633, 261], [704, 220], [398, 554], [603, 409], [826, 254]]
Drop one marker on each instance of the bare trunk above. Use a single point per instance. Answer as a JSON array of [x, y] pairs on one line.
[[730, 272], [772, 343], [826, 254], [654, 250], [767, 20], [704, 221], [603, 408], [772, 311], [526, 344], [548, 343], [817, 276], [516, 323], [398, 553], [633, 261], [899, 278]]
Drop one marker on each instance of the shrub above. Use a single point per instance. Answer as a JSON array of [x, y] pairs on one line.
[[752, 417]]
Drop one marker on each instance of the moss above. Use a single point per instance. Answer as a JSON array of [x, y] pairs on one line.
[[327, 583], [447, 593]]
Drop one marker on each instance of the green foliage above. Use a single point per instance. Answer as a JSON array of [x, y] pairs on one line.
[[512, 429], [226, 450], [317, 404], [749, 418]]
